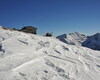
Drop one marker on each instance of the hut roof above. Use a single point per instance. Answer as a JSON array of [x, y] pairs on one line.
[[29, 27]]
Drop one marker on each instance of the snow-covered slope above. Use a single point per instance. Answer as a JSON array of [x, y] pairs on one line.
[[75, 38], [32, 57], [93, 42]]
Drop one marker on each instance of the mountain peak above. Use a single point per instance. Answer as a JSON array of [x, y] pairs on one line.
[[75, 38]]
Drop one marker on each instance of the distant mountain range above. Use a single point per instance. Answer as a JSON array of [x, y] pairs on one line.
[[80, 39]]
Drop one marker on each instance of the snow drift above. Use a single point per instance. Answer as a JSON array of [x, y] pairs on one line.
[[33, 57]]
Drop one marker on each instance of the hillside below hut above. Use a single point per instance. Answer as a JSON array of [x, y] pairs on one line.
[[29, 29]]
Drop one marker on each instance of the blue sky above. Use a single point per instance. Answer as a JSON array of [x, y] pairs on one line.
[[57, 16]]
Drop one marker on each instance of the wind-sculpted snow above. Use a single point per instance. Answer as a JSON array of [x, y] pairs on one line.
[[33, 57]]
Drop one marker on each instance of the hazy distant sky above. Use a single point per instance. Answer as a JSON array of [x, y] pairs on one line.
[[57, 16]]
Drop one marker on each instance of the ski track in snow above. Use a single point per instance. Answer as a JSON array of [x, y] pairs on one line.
[[33, 57]]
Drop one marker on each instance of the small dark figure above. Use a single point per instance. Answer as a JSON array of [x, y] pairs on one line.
[[48, 34]]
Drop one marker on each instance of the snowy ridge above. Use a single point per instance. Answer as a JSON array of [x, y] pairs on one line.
[[75, 38], [33, 57], [93, 42]]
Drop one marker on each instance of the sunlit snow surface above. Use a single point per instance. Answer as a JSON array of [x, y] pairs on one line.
[[32, 57]]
